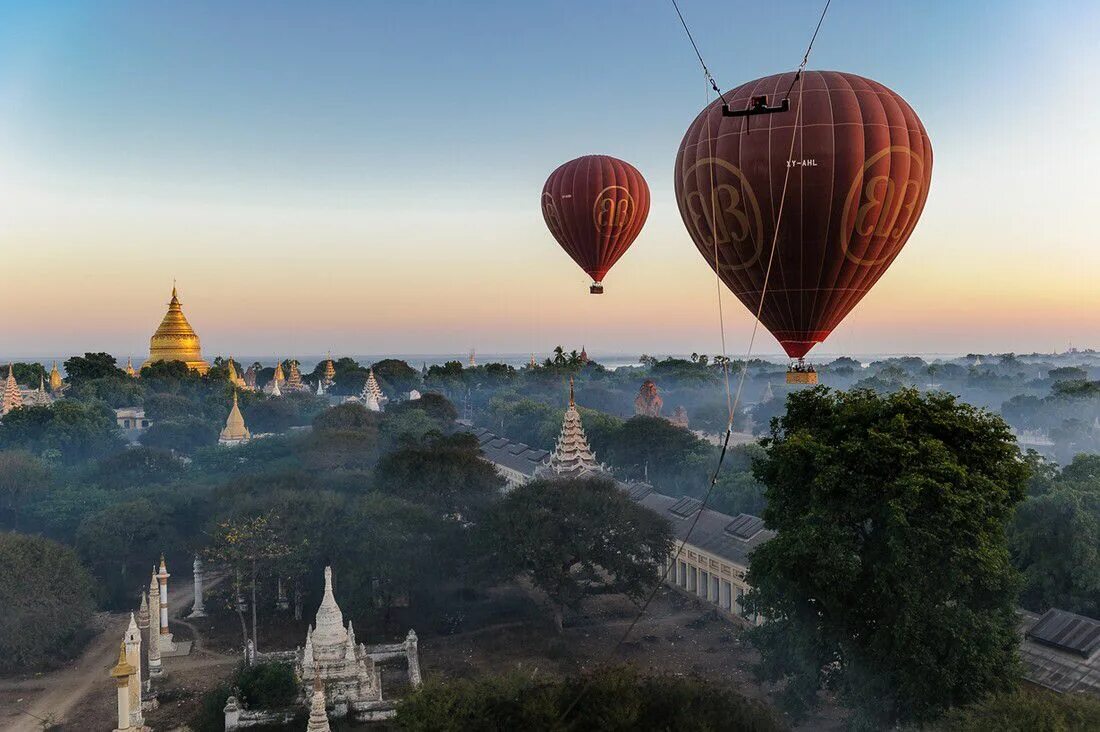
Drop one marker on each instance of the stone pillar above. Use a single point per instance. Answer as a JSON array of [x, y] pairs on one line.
[[413, 657], [132, 643], [154, 627], [121, 673], [163, 577], [232, 714], [197, 609], [143, 629], [281, 601]]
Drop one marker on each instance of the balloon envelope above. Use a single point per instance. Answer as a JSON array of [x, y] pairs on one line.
[[859, 175], [595, 206]]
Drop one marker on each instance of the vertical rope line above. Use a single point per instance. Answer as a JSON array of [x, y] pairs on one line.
[[717, 278]]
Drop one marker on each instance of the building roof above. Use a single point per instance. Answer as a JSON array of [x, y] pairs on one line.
[[728, 537], [516, 456], [1067, 631], [1059, 651]]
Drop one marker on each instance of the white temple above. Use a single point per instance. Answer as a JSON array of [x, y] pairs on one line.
[[372, 396], [344, 668], [572, 457]]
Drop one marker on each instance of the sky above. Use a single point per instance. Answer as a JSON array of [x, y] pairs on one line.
[[364, 177]]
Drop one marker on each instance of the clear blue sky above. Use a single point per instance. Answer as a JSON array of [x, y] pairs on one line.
[[323, 153]]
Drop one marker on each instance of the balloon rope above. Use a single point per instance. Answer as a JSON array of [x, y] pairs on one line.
[[717, 279], [725, 443]]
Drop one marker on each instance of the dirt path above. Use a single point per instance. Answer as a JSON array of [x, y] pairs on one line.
[[28, 705]]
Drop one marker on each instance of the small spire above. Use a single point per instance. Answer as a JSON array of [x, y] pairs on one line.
[[572, 400]]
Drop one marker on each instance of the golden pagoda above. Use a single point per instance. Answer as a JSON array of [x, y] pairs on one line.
[[235, 432], [56, 384], [176, 340]]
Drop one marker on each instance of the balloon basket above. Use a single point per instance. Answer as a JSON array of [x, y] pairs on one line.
[[596, 288], [801, 377]]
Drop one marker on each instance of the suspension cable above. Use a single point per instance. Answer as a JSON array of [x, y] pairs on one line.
[[732, 406], [706, 71]]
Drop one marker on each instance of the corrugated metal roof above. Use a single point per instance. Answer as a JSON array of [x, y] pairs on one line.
[[1049, 665], [1068, 632]]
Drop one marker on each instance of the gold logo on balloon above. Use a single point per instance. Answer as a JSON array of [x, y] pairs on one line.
[[876, 209], [550, 213], [614, 208], [729, 217]]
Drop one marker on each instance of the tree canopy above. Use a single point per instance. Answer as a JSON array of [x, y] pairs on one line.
[[889, 578], [573, 538]]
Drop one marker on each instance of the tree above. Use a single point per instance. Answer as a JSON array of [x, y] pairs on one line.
[[23, 477], [1025, 710], [889, 578], [184, 435], [1055, 541], [76, 430], [615, 698], [655, 446], [30, 374], [47, 599], [136, 467], [249, 545], [438, 407], [446, 473], [350, 416], [574, 538], [92, 366], [120, 540]]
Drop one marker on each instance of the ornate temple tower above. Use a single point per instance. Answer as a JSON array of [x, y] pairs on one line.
[[56, 384], [328, 376], [235, 431], [648, 403], [572, 456], [11, 398], [176, 340], [372, 395], [130, 368], [294, 379]]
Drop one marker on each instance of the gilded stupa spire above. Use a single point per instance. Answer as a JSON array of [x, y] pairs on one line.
[[55, 379], [235, 431], [176, 340]]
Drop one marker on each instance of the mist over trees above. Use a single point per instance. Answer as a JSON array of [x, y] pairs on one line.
[[410, 517]]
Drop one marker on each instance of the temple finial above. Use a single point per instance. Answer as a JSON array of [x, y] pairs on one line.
[[572, 400]]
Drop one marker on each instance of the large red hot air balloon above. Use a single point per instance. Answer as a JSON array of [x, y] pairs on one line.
[[859, 176], [595, 206]]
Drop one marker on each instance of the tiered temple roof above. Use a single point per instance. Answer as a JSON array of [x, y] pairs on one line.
[[12, 398], [235, 431], [572, 457], [329, 373], [372, 395], [176, 340], [294, 379]]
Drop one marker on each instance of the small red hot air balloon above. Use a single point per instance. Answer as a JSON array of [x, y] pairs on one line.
[[859, 172], [595, 206]]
